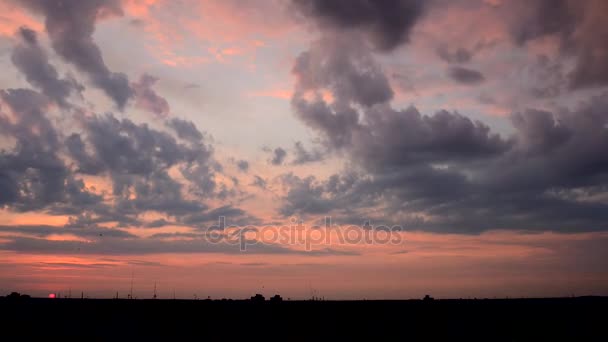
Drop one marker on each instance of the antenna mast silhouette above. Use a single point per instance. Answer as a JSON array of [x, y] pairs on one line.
[[131, 291]]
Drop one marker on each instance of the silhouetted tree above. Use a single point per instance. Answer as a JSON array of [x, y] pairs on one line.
[[17, 295], [258, 298]]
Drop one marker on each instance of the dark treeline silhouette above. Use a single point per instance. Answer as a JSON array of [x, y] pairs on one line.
[[562, 319]]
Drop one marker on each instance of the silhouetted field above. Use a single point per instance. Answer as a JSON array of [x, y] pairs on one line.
[[567, 319]]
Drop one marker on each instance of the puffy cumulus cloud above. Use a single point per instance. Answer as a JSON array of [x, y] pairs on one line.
[[344, 68], [124, 147], [386, 24], [465, 75], [168, 173], [394, 138], [185, 130], [70, 26], [137, 158], [304, 196], [303, 156], [31, 60], [242, 165], [578, 25], [259, 182], [33, 175], [543, 17], [147, 99], [348, 72], [278, 156], [359, 122], [446, 172]]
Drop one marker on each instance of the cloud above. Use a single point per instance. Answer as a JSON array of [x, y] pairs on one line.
[[79, 231], [232, 216], [349, 73], [147, 99], [343, 67], [137, 159], [139, 246], [303, 156], [185, 130], [33, 175], [70, 26], [386, 24], [259, 182], [458, 56], [304, 196], [278, 156], [543, 17], [445, 172], [465, 75], [581, 32], [242, 165], [31, 59]]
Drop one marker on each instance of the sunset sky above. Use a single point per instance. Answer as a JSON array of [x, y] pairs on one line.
[[474, 131]]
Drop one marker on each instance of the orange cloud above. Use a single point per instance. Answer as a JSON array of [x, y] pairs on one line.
[[31, 218], [284, 94], [12, 17]]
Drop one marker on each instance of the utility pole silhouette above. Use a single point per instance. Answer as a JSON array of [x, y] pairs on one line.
[[154, 297]]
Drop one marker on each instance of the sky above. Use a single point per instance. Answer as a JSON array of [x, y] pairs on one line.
[[337, 149]]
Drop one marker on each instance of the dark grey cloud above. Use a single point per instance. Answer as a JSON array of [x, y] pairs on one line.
[[366, 130], [31, 59], [185, 130], [242, 165], [345, 68], [124, 147], [303, 156], [446, 172], [582, 34], [158, 223], [70, 26], [137, 159], [85, 232], [85, 162], [349, 72], [304, 196], [259, 182], [465, 75], [386, 24], [211, 218], [457, 56], [335, 122], [406, 137], [33, 176], [549, 78], [543, 17], [147, 99], [140, 246], [278, 156]]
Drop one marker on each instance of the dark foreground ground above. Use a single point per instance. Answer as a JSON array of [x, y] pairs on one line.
[[568, 319]]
